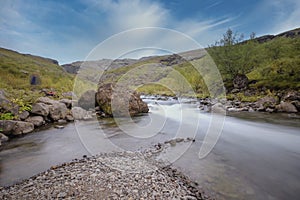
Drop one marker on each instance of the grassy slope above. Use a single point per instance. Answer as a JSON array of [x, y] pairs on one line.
[[16, 70]]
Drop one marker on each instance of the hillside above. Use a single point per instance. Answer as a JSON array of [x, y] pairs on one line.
[[16, 70]]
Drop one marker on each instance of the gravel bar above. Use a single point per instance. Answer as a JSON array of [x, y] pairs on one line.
[[118, 175]]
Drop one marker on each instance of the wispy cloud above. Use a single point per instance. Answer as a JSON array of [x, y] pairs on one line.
[[214, 4], [287, 14], [52, 34]]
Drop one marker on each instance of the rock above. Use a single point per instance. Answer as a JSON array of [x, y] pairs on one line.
[[172, 143], [291, 96], [24, 115], [69, 117], [40, 109], [235, 90], [124, 101], [296, 104], [87, 100], [240, 81], [179, 140], [16, 127], [270, 110], [4, 102], [235, 109], [62, 121], [46, 100], [59, 126], [58, 111], [265, 102], [3, 138], [286, 107], [79, 113], [218, 108], [67, 102], [36, 120]]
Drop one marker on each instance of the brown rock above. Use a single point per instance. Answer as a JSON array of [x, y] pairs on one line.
[[286, 107], [40, 109], [36, 120], [120, 102], [16, 127], [87, 100]]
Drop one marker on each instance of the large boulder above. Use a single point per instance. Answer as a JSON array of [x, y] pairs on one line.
[[120, 102], [240, 81], [40, 109], [36, 120], [58, 111], [16, 127], [87, 100], [286, 107]]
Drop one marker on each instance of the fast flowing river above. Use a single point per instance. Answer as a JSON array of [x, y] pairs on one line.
[[257, 155]]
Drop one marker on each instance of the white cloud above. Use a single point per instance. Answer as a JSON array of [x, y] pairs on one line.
[[22, 30], [284, 13]]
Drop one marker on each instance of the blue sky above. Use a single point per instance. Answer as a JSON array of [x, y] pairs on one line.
[[67, 30]]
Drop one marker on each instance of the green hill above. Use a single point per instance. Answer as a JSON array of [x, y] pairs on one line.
[[17, 69]]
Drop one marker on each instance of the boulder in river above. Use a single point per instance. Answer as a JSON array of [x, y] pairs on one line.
[[286, 107], [58, 111], [16, 127], [87, 100], [120, 102]]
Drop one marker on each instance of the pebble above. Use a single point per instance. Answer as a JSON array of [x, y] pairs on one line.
[[118, 175]]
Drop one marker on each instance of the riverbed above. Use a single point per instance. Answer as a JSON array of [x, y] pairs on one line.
[[256, 156]]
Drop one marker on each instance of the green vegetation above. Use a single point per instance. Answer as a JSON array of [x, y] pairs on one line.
[[16, 70], [6, 116], [274, 64]]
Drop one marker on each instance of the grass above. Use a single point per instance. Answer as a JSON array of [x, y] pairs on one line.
[[16, 70]]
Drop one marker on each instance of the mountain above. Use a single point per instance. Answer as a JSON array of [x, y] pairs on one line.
[[288, 34]]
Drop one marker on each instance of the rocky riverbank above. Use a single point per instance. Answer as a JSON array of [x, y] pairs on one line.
[[288, 102], [47, 110], [123, 175]]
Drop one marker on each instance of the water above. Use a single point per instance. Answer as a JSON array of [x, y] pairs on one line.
[[256, 157]]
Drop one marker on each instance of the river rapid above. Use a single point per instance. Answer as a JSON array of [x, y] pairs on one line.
[[256, 156]]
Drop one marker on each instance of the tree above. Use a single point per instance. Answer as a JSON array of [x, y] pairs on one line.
[[232, 56]]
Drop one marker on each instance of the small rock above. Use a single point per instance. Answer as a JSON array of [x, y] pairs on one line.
[[24, 115], [179, 140], [59, 127], [62, 121]]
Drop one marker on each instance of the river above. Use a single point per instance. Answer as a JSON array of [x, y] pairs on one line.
[[257, 155]]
